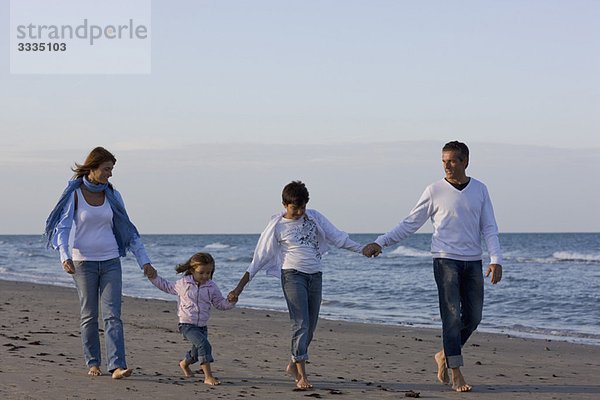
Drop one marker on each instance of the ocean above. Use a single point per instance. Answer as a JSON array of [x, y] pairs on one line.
[[550, 287]]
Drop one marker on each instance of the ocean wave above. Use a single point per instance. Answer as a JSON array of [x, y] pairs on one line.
[[536, 260], [573, 256], [402, 251], [239, 259], [568, 335], [217, 246]]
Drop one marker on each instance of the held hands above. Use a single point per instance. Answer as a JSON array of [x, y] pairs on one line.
[[150, 271], [68, 266], [371, 250], [233, 296], [496, 271]]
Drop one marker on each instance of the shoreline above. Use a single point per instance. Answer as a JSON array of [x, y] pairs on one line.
[[497, 331], [41, 356]]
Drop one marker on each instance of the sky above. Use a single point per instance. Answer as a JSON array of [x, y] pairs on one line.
[[356, 98]]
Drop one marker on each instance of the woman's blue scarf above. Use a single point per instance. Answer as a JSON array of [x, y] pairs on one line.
[[124, 230]]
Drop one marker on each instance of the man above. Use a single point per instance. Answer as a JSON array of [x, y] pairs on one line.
[[461, 212]]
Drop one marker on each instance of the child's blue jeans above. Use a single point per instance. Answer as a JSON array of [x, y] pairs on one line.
[[303, 296], [201, 349]]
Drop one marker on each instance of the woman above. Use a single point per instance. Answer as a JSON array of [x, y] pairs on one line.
[[102, 233]]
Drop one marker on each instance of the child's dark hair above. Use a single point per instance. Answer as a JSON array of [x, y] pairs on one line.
[[295, 193], [194, 261]]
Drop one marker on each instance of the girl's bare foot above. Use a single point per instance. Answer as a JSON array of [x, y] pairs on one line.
[[185, 367], [458, 381], [94, 371], [209, 379], [121, 373], [292, 371], [442, 373]]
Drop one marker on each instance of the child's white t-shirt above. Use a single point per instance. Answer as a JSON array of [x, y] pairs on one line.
[[299, 244]]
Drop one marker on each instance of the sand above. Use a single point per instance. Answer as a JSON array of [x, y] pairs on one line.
[[41, 357]]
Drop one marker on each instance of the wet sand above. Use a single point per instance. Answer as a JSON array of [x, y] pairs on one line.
[[41, 357]]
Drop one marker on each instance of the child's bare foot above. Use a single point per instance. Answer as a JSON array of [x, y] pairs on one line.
[[302, 382], [458, 381], [185, 367], [121, 373], [94, 371], [442, 373], [292, 370], [211, 380]]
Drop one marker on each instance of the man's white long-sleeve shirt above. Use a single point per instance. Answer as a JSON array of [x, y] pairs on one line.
[[460, 218]]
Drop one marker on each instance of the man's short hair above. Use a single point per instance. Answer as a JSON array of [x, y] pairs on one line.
[[295, 193], [458, 147]]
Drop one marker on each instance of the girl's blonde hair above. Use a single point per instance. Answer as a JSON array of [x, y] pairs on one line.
[[194, 261]]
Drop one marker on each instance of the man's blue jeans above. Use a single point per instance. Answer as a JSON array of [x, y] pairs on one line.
[[101, 282], [303, 296], [460, 292], [201, 349]]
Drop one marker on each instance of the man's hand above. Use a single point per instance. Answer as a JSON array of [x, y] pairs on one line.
[[496, 271], [371, 250]]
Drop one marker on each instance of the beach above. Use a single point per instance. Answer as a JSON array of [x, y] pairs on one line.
[[41, 357]]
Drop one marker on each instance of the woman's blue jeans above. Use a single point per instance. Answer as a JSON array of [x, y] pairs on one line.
[[303, 296], [460, 292], [201, 349], [100, 283]]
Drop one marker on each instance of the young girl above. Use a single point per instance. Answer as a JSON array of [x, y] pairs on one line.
[[291, 247], [197, 293]]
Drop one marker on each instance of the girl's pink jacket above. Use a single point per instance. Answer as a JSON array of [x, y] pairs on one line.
[[194, 301]]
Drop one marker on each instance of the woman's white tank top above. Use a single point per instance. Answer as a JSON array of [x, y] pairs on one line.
[[94, 238]]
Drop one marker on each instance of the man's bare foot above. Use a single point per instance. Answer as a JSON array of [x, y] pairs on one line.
[[94, 371], [292, 370], [458, 381], [121, 373], [185, 367], [442, 373], [211, 380]]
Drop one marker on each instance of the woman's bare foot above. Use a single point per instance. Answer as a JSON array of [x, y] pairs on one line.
[[120, 373], [292, 371], [94, 371], [211, 380], [185, 367], [303, 384], [458, 381], [442, 373]]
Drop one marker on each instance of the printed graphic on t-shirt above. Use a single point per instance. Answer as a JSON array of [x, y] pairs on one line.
[[305, 234]]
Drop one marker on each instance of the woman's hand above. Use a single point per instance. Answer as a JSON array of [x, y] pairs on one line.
[[149, 271], [69, 267]]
